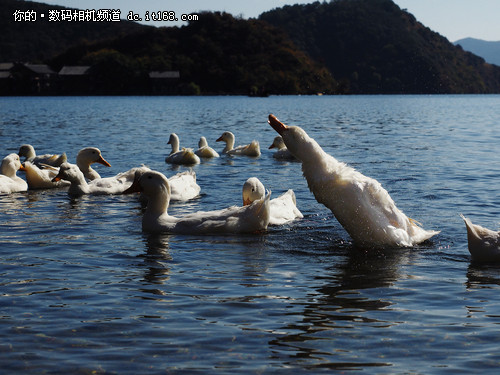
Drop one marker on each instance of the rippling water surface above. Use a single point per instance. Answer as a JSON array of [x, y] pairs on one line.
[[84, 291]]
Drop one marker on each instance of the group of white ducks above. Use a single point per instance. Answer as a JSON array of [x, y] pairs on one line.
[[360, 203], [189, 156]]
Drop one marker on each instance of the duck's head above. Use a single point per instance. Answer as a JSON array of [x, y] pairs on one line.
[[68, 172], [278, 143], [28, 151], [295, 138], [151, 183], [90, 155], [10, 165], [253, 190], [226, 137]]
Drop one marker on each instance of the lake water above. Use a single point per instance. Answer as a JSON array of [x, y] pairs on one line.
[[85, 291]]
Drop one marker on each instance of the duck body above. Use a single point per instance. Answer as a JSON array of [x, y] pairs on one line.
[[183, 186], [483, 243], [88, 156], [183, 156], [42, 178], [28, 151], [282, 209], [252, 149], [204, 150], [282, 152], [10, 182], [360, 204], [101, 186], [155, 186]]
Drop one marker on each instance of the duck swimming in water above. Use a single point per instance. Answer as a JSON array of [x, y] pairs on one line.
[[252, 149], [184, 156], [247, 219], [10, 182], [28, 151], [360, 203], [282, 209], [204, 150], [484, 244]]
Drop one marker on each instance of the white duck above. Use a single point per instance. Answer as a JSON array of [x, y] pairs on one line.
[[204, 150], [282, 153], [246, 219], [10, 182], [361, 205], [282, 209], [183, 186], [41, 178], [252, 149], [86, 157], [100, 186], [484, 244], [184, 156], [28, 151]]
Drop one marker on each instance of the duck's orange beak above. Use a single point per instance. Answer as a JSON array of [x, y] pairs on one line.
[[277, 124], [247, 202], [22, 168], [102, 161], [58, 177]]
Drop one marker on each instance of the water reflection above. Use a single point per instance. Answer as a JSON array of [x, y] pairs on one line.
[[344, 302], [156, 260], [483, 276]]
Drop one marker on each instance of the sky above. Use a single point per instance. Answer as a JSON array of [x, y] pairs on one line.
[[453, 19]]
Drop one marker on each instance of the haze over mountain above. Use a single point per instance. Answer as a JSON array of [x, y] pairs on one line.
[[489, 51]]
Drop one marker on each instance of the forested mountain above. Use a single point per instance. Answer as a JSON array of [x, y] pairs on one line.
[[372, 46], [489, 51], [218, 53], [341, 46]]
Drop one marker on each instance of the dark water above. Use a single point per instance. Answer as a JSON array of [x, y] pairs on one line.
[[84, 291]]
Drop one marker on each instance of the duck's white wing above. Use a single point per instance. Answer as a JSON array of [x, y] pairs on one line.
[[207, 152], [284, 209], [247, 219], [183, 186], [9, 185], [184, 156], [252, 149]]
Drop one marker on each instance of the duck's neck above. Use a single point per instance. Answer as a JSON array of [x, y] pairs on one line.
[[229, 144], [158, 204], [175, 145], [316, 163], [8, 170], [87, 170], [202, 143], [78, 185]]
